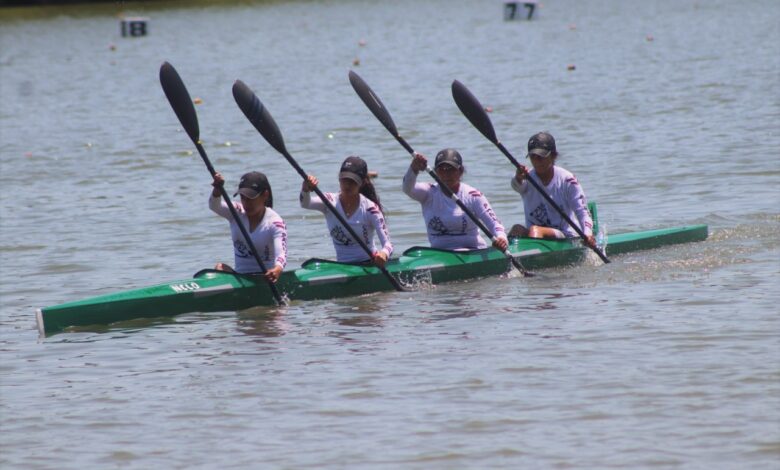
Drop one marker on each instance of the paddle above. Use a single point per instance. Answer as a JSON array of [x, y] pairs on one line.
[[181, 103], [375, 105], [259, 116], [471, 108]]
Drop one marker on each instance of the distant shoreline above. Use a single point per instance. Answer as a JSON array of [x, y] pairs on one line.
[[31, 3], [49, 3]]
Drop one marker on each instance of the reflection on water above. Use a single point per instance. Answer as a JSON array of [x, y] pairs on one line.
[[122, 328], [354, 321], [542, 301], [264, 322], [361, 320], [447, 304], [501, 294], [348, 317]]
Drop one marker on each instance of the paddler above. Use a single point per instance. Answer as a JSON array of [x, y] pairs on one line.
[[449, 228], [541, 219], [359, 203], [265, 227]]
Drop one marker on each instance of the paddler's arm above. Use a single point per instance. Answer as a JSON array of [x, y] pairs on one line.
[[380, 227], [306, 199], [217, 184], [216, 204], [519, 182], [481, 206], [576, 199], [410, 186], [273, 273], [280, 248]]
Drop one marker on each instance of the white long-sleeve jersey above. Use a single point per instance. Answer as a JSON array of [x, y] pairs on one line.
[[365, 221], [566, 192], [448, 226], [269, 237]]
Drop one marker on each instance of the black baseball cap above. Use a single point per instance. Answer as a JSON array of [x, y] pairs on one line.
[[252, 184], [354, 168], [541, 144], [449, 157]]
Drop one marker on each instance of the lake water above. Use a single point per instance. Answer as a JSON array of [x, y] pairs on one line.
[[662, 359]]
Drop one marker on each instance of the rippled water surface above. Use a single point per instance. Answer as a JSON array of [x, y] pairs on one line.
[[662, 359]]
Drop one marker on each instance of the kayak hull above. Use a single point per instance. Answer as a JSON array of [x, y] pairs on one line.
[[214, 291]]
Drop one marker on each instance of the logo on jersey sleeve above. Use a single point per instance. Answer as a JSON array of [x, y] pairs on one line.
[[489, 211]]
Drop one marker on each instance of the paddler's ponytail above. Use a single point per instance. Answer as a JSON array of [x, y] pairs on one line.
[[368, 190]]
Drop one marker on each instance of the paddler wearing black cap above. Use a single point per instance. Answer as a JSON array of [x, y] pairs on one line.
[[266, 228], [448, 226], [359, 203], [542, 220]]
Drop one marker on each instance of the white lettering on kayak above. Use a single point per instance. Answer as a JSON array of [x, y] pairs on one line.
[[185, 287]]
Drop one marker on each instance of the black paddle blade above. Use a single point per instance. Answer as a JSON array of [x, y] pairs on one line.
[[470, 106], [180, 100], [258, 115], [373, 102]]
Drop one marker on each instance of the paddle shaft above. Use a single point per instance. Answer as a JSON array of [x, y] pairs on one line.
[[550, 200], [476, 114], [261, 118], [465, 209], [181, 102], [244, 232], [378, 109], [343, 221]]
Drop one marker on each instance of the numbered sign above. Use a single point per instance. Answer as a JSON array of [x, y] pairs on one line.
[[134, 27], [516, 10]]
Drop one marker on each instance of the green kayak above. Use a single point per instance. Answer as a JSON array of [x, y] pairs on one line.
[[214, 291]]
